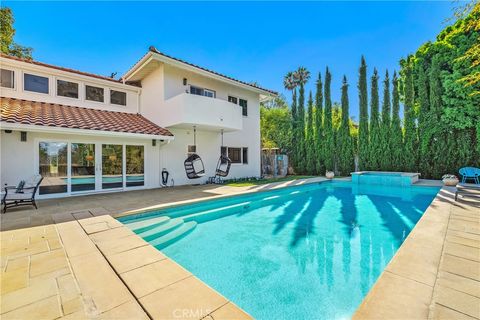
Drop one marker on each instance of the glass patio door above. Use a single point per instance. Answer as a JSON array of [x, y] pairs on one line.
[[83, 168], [112, 166]]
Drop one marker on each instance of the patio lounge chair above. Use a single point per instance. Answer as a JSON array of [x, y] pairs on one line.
[[23, 194], [470, 173], [467, 189]]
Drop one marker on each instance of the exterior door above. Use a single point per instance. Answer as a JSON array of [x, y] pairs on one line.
[[83, 167], [112, 166]]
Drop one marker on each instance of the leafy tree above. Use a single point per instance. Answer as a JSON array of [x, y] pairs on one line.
[[396, 135], [7, 33], [471, 16], [410, 139], [318, 125], [345, 159], [363, 136], [276, 128], [327, 124], [310, 139], [385, 152], [375, 139]]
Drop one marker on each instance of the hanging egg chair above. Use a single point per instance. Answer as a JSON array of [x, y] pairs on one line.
[[194, 167]]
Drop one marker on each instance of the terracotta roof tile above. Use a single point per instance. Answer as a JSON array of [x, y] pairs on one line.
[[57, 115]]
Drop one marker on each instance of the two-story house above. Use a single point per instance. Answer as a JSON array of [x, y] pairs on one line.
[[88, 133]]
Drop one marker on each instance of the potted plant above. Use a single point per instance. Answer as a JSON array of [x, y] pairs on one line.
[[449, 180], [329, 174]]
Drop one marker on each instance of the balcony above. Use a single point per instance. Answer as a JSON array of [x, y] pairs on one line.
[[187, 110]]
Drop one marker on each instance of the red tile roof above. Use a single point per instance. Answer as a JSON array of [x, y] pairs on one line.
[[62, 69], [153, 49], [57, 115]]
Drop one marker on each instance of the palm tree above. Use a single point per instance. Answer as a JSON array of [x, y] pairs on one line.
[[289, 81], [302, 75]]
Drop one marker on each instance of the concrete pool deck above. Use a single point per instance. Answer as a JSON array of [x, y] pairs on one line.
[[88, 265]]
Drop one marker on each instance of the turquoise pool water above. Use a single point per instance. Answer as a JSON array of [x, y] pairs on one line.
[[310, 252]]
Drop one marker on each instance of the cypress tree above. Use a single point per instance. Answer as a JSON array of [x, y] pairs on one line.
[[344, 141], [410, 139], [327, 125], [302, 75], [294, 152], [310, 139], [290, 83], [375, 140], [301, 154], [386, 156], [363, 137], [396, 135], [319, 136]]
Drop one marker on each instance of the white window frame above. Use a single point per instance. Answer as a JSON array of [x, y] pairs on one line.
[[38, 75], [105, 89], [13, 82], [68, 80], [241, 154], [116, 104]]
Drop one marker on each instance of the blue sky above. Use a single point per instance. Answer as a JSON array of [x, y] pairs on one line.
[[247, 40]]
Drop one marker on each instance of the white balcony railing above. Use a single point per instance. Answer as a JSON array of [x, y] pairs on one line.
[[187, 110]]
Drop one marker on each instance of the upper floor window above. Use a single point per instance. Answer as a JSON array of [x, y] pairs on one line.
[[241, 102], [233, 99], [94, 93], [67, 89], [35, 83], [7, 78], [244, 104], [118, 97], [202, 92]]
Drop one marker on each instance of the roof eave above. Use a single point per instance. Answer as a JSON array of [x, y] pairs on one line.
[[47, 129], [150, 55]]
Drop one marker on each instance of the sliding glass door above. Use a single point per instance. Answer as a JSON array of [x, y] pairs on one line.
[[135, 166], [52, 165], [83, 173], [76, 167], [112, 166]]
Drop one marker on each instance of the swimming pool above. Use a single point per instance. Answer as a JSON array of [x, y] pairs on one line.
[[309, 252]]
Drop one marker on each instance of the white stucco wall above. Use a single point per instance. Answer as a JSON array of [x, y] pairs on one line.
[[166, 82]]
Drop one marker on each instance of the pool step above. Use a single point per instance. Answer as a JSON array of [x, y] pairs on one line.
[[217, 213], [178, 233], [147, 224], [162, 229]]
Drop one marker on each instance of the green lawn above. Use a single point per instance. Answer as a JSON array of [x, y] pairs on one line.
[[264, 181]]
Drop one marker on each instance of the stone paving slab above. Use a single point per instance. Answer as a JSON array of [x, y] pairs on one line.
[[97, 273], [436, 272]]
